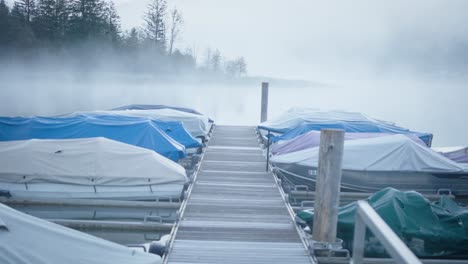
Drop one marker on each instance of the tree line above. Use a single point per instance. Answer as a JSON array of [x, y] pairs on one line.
[[92, 27]]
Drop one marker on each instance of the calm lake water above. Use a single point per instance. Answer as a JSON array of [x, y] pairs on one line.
[[437, 106]]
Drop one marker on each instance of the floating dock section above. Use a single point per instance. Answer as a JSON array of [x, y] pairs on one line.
[[235, 211]]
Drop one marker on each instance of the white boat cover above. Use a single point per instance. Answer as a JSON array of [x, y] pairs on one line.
[[298, 115], [196, 125], [85, 161], [25, 239], [388, 153]]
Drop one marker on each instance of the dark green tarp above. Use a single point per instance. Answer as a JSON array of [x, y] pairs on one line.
[[437, 229]]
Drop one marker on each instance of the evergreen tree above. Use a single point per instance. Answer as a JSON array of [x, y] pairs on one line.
[[113, 24], [155, 27], [21, 33], [132, 40], [5, 30], [51, 21], [88, 20], [27, 8], [62, 19], [44, 24]]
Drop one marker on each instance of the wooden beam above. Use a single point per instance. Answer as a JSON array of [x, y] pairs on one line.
[[328, 185], [264, 111]]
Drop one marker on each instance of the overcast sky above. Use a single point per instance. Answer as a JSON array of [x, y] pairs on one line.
[[302, 38]]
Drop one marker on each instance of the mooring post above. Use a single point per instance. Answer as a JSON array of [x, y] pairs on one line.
[[264, 113], [328, 185], [268, 150]]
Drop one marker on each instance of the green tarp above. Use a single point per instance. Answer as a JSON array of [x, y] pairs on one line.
[[437, 229]]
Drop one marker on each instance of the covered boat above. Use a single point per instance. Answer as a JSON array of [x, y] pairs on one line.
[[312, 139], [87, 168], [298, 121], [25, 239], [197, 125], [139, 132], [152, 107], [429, 229], [372, 164], [173, 129], [457, 154]]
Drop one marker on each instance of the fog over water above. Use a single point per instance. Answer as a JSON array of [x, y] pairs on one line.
[[400, 61]]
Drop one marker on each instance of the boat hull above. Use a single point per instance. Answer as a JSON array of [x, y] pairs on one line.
[[366, 181], [163, 192]]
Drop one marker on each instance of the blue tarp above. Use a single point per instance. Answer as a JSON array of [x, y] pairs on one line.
[[174, 129], [139, 132], [150, 107], [352, 126]]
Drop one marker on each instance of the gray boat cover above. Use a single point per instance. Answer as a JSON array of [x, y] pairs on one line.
[[458, 154], [25, 239], [196, 125], [388, 153], [86, 161]]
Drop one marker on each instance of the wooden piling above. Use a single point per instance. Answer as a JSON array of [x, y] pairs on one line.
[[328, 185], [264, 111]]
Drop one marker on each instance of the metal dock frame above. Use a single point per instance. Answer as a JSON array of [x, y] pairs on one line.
[[235, 212]]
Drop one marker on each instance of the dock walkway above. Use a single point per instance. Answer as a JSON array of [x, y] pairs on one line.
[[235, 212]]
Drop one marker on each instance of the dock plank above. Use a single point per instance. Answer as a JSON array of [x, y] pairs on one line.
[[235, 212]]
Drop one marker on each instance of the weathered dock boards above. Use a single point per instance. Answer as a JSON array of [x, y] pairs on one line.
[[235, 212]]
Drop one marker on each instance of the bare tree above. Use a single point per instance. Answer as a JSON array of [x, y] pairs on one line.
[[176, 22], [155, 27], [207, 59], [216, 61], [236, 68]]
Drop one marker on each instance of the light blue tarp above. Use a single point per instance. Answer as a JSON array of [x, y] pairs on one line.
[[139, 132], [351, 126]]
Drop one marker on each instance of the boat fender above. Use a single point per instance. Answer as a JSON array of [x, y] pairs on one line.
[[159, 247], [5, 193]]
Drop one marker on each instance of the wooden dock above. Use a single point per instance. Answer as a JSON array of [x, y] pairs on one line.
[[235, 212]]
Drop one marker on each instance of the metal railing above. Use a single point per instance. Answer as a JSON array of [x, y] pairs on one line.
[[366, 216]]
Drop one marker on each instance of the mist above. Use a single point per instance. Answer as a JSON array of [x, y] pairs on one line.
[[400, 61]]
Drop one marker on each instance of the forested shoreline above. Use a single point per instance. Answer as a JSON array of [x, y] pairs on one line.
[[87, 33]]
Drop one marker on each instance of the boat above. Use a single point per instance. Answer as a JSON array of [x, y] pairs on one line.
[[430, 230], [198, 126], [298, 121], [139, 132], [25, 239], [174, 129], [458, 154], [88, 168], [312, 139], [152, 107], [371, 164]]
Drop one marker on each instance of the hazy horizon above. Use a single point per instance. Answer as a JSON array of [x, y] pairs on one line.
[[401, 61]]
